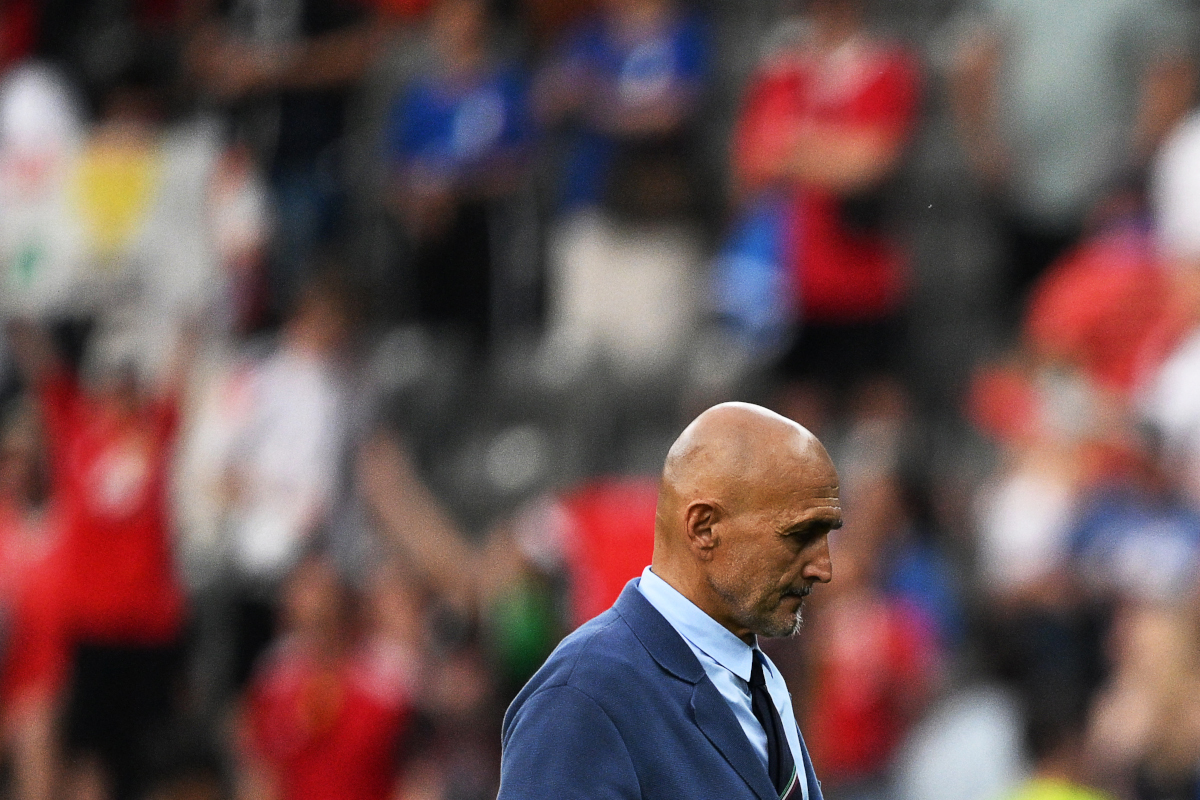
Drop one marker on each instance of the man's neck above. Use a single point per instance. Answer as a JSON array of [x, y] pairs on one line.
[[693, 587]]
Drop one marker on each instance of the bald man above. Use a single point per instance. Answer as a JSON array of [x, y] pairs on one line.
[[666, 695]]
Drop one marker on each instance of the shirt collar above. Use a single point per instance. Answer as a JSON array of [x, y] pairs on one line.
[[701, 630]]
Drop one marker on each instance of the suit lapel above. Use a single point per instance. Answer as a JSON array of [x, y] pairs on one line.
[[710, 710], [716, 720], [662, 642]]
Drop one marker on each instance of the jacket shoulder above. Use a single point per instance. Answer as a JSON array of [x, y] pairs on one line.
[[602, 659], [603, 649]]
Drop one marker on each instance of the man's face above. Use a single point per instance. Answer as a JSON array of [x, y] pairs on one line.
[[774, 545]]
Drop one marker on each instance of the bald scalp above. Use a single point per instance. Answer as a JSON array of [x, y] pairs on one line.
[[726, 455]]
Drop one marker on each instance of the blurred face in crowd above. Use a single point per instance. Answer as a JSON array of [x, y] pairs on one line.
[[460, 688], [459, 31], [132, 105], [315, 601], [319, 324]]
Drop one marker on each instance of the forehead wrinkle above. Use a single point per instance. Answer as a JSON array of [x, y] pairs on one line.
[[812, 508]]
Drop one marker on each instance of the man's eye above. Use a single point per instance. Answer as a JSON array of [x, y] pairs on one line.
[[810, 533]]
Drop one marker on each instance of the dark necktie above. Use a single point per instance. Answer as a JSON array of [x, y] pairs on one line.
[[781, 766]]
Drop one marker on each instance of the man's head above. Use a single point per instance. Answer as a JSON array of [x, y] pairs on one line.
[[745, 507]]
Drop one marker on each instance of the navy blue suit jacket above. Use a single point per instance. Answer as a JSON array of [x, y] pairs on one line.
[[623, 709]]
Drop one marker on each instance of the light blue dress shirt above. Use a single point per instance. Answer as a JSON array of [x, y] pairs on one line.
[[727, 661]]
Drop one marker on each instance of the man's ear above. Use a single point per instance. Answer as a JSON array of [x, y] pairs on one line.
[[700, 520]]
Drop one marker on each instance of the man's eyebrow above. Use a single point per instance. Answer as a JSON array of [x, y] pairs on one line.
[[832, 522]]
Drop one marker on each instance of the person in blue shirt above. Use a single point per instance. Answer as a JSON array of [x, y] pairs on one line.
[[459, 141], [667, 695], [627, 85], [1137, 538]]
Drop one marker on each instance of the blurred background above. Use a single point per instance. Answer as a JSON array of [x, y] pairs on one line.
[[344, 339]]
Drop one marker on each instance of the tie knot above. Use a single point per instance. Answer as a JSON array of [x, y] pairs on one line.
[[757, 681]]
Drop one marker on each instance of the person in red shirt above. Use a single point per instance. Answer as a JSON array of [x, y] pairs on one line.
[[32, 646], [873, 666], [325, 711], [825, 123], [109, 455], [1102, 308], [611, 539]]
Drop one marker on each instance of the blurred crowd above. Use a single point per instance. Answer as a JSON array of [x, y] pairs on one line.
[[343, 341]]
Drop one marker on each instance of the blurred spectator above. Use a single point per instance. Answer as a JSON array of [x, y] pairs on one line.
[[327, 708], [562, 559], [239, 221], [154, 198], [1059, 112], [522, 618], [109, 450], [1137, 539], [628, 82], [414, 523], [33, 647], [41, 239], [1080, 514], [1145, 725], [1168, 399], [1063, 408], [268, 449], [873, 664], [1170, 405], [459, 144], [458, 754], [611, 532], [286, 71], [1101, 309], [1024, 515], [601, 533], [825, 124], [96, 41], [967, 747], [1056, 744], [919, 570], [1175, 192], [140, 216], [624, 92]]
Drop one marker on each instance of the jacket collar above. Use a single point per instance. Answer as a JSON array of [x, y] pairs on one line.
[[709, 709], [662, 642]]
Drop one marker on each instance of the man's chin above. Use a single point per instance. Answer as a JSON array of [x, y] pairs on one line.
[[783, 628]]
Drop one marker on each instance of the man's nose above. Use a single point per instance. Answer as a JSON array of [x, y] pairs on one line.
[[820, 567]]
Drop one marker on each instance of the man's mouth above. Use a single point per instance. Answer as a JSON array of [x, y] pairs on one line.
[[801, 593]]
